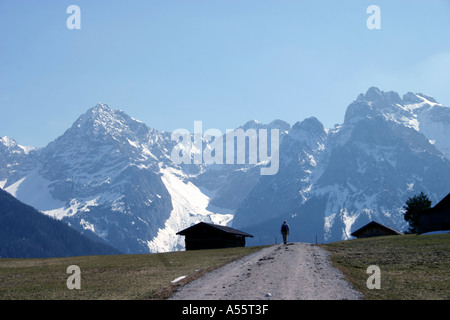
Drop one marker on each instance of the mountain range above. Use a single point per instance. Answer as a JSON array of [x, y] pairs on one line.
[[113, 175]]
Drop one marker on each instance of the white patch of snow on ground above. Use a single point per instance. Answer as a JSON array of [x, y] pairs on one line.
[[436, 232], [178, 279]]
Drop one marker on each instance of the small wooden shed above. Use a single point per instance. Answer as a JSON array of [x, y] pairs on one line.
[[212, 236], [436, 218], [374, 229]]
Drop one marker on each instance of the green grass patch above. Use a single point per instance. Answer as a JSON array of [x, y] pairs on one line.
[[142, 276], [412, 266]]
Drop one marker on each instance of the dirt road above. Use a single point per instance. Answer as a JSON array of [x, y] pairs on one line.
[[296, 271]]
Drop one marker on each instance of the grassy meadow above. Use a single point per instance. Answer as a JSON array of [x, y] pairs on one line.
[[412, 267], [140, 276]]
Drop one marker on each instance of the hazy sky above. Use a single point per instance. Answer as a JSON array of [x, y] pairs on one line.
[[168, 63]]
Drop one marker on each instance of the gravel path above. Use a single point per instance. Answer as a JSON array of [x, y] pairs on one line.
[[296, 271]]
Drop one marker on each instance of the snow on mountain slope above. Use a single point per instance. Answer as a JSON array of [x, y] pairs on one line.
[[12, 155], [190, 206], [415, 110], [34, 190], [434, 122], [14, 146]]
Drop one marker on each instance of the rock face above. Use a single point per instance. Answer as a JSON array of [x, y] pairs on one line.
[[12, 156], [113, 175]]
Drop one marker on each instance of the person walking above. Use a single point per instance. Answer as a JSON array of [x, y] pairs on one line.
[[285, 231]]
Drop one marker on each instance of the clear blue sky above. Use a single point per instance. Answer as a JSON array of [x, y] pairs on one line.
[[168, 63]]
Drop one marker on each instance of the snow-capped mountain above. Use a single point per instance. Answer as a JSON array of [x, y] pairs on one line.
[[114, 176], [377, 159], [111, 174], [362, 170]]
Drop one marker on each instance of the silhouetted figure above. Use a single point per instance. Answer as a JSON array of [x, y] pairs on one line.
[[285, 231]]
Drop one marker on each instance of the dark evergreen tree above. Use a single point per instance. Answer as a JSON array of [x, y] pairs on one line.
[[414, 205]]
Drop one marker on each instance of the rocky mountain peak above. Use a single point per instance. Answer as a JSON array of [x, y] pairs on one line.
[[378, 97], [275, 124], [311, 124], [377, 103], [105, 123]]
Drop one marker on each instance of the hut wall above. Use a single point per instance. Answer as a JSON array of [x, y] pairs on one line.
[[213, 241], [434, 221], [373, 232]]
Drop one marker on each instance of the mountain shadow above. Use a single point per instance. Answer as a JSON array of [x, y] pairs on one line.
[[27, 233]]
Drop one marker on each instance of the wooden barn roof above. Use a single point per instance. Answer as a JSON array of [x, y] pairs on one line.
[[214, 226], [443, 205], [374, 224]]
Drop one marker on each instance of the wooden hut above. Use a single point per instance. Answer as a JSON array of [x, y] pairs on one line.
[[374, 229], [436, 218], [212, 236]]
